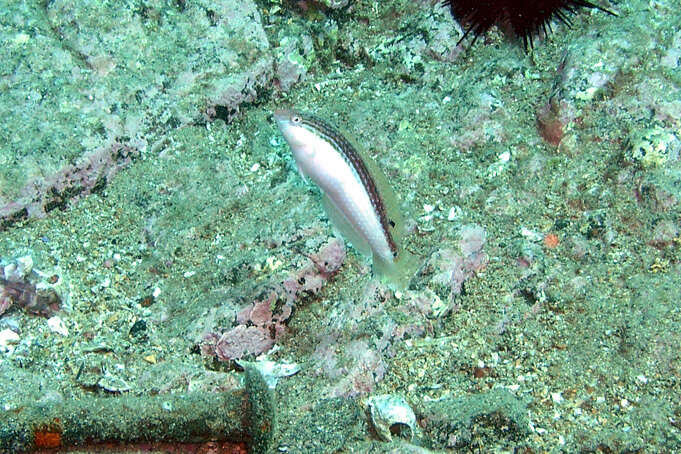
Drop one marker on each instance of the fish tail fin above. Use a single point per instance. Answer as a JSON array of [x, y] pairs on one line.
[[397, 273]]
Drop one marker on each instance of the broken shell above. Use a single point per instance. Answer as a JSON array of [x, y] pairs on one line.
[[392, 415], [272, 371], [113, 384]]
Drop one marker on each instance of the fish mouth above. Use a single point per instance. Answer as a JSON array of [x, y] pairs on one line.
[[281, 115]]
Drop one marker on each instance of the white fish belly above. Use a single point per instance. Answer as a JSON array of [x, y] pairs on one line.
[[327, 168]]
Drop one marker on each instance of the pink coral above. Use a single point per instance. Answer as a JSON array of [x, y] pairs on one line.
[[368, 368], [243, 340], [71, 182], [16, 288], [263, 322], [257, 330], [311, 278], [24, 294], [453, 268], [330, 258]]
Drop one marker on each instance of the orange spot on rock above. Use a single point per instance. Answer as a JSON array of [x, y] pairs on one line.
[[551, 240], [45, 439]]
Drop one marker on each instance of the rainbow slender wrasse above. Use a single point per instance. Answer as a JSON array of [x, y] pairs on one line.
[[356, 195]]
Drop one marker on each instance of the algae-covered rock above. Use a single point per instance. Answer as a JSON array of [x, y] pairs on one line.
[[95, 84], [454, 423]]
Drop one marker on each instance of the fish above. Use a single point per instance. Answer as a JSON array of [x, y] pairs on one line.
[[356, 195]]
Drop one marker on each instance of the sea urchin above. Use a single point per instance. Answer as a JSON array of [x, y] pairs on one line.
[[524, 18]]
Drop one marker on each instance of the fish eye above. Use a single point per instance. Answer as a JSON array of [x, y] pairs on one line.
[[295, 119]]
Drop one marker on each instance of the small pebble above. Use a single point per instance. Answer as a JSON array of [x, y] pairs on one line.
[[8, 339], [57, 325]]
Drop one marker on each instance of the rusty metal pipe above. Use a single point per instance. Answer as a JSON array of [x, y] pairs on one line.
[[244, 416]]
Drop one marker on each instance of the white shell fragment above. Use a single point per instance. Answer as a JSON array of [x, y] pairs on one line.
[[8, 339], [272, 371], [391, 414], [19, 270], [113, 384], [57, 325]]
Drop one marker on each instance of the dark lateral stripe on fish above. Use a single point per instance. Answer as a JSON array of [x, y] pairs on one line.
[[353, 157]]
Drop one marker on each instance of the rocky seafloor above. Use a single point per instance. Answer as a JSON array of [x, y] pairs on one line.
[[156, 238]]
